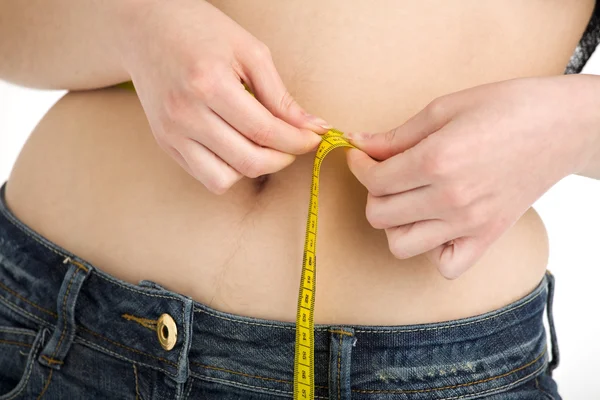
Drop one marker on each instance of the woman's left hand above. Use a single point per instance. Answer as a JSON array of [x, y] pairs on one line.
[[469, 165]]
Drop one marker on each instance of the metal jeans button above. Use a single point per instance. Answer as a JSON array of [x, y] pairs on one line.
[[166, 331]]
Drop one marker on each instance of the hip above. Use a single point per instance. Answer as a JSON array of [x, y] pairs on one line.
[[92, 179], [69, 330]]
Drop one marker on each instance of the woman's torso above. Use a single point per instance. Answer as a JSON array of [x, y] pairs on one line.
[[92, 179]]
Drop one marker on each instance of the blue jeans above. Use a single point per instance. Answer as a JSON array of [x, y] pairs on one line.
[[70, 331]]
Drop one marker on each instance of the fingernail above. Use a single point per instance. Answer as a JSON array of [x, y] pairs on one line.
[[318, 121], [357, 136]]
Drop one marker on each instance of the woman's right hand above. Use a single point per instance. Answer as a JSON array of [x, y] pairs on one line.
[[188, 62]]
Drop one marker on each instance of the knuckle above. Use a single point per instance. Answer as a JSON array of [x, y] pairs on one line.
[[251, 167], [396, 248], [390, 136], [287, 101], [374, 214], [437, 109], [374, 182], [260, 52], [263, 134], [204, 81], [456, 196], [165, 133], [448, 269], [175, 105], [221, 184]]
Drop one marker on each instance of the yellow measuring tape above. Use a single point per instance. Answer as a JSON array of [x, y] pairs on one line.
[[304, 358]]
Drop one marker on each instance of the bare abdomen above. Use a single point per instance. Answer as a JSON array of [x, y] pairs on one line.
[[92, 179]]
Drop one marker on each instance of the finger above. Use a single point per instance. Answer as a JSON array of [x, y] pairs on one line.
[[385, 212], [270, 90], [240, 153], [384, 145], [246, 115], [410, 240], [454, 260], [394, 175], [176, 155], [206, 167]]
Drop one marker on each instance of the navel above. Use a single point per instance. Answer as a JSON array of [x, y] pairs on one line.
[[260, 183]]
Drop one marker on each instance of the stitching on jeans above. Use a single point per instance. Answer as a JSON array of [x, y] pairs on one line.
[[75, 263], [341, 332], [237, 321], [128, 348], [6, 288], [187, 395], [145, 322], [137, 389], [100, 336], [225, 381], [64, 330], [111, 280], [185, 326], [339, 378], [27, 376], [119, 356], [25, 230], [454, 386], [19, 310], [18, 331], [15, 343], [46, 385], [198, 310], [247, 375], [52, 360], [453, 325], [498, 389]]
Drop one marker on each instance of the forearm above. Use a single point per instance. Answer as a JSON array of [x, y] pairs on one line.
[[62, 44], [590, 165], [592, 168]]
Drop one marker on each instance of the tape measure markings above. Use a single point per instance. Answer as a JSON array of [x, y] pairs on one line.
[[304, 368], [304, 357]]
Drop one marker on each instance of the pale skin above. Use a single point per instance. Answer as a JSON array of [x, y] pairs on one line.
[[468, 166], [516, 138]]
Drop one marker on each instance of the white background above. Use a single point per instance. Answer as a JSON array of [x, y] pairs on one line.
[[570, 210]]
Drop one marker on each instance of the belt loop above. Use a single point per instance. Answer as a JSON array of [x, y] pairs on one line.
[[55, 351], [340, 350], [187, 328], [553, 341]]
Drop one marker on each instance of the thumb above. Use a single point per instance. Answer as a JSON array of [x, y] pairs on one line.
[[455, 259], [382, 146], [360, 165]]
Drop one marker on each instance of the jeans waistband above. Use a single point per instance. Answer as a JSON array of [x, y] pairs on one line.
[[76, 301]]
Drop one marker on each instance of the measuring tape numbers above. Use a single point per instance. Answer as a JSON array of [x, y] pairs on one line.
[[304, 357]]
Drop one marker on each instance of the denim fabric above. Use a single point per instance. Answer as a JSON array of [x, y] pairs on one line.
[[70, 331]]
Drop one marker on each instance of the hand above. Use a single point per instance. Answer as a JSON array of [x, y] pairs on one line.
[[471, 163], [188, 62]]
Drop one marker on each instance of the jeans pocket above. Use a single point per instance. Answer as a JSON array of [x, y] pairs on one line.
[[19, 349]]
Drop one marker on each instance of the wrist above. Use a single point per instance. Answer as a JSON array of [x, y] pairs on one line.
[[124, 22], [586, 93]]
